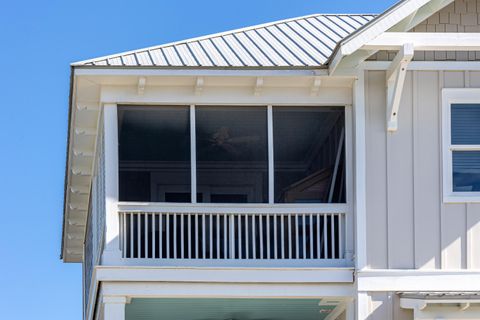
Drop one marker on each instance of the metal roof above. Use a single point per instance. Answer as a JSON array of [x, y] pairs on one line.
[[307, 41]]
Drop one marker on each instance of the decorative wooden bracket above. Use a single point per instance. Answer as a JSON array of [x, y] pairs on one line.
[[257, 90], [317, 82], [141, 85], [395, 80], [199, 85]]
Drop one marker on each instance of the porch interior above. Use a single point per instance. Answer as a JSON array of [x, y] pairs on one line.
[[234, 309]]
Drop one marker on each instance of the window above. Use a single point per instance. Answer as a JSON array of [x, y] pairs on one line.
[[232, 154], [461, 145]]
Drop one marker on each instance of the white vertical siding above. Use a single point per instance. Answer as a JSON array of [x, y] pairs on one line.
[[408, 225]]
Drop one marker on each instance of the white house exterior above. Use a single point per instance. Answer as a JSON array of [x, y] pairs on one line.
[[322, 167]]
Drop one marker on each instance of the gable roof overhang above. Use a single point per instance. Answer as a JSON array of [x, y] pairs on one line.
[[401, 17]]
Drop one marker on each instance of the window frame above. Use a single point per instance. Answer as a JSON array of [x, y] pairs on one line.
[[257, 207], [453, 96]]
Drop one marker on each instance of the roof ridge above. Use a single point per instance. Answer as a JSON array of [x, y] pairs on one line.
[[215, 35]]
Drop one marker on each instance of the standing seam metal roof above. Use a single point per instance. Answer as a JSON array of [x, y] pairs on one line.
[[306, 41]]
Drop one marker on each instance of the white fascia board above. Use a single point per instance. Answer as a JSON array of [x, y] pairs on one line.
[[198, 72], [227, 290], [425, 41], [225, 275], [417, 280]]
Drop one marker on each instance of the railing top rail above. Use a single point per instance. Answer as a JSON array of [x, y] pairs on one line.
[[320, 208]]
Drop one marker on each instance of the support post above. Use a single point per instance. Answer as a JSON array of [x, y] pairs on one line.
[[114, 307], [112, 228]]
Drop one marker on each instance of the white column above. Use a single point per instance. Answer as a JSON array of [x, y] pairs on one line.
[[112, 228], [114, 307], [360, 172]]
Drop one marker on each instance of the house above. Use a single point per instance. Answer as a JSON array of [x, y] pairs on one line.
[[321, 167]]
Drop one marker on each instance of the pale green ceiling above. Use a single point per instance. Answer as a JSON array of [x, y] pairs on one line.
[[226, 309]]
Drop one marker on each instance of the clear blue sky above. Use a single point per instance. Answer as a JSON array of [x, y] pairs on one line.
[[38, 40]]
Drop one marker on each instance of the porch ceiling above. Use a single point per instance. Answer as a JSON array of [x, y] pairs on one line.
[[235, 309]]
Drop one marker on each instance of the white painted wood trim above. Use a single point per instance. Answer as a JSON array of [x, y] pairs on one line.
[[360, 207], [199, 72], [450, 96], [271, 163], [426, 41], [224, 274], [193, 154], [425, 65], [251, 208], [112, 227], [349, 188], [417, 280]]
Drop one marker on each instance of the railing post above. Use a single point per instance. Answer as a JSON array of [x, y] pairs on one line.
[[112, 251]]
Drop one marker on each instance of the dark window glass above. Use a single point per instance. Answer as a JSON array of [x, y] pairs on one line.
[[309, 154], [154, 154], [466, 171], [465, 123], [232, 160]]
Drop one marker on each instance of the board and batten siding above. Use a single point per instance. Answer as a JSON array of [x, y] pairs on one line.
[[408, 225]]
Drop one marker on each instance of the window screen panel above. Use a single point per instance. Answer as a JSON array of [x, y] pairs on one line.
[[465, 124], [232, 154], [466, 171], [309, 154], [154, 153]]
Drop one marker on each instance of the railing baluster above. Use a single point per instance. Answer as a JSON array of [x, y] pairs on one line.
[[296, 237], [289, 237], [260, 217], [154, 228], [218, 236], [139, 235], [310, 238], [268, 236], [304, 238], [189, 217], [340, 236], [175, 236], [275, 236], [254, 239], [182, 245], [210, 222], [232, 236], [131, 234], [204, 250], [318, 237], [247, 233], [325, 237], [282, 234], [332, 234], [167, 227], [160, 235], [124, 238], [196, 236], [146, 234], [225, 237], [239, 217]]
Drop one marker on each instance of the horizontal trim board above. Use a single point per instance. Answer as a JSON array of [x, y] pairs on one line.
[[205, 72], [442, 41], [227, 290], [225, 275], [417, 280], [425, 65]]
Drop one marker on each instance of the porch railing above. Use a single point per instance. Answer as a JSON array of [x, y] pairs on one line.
[[238, 236]]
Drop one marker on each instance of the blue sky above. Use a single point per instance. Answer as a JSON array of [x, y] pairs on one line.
[[38, 40]]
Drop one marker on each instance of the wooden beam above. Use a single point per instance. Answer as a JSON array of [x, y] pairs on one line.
[[199, 85], [257, 90], [426, 41], [395, 80], [317, 82]]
